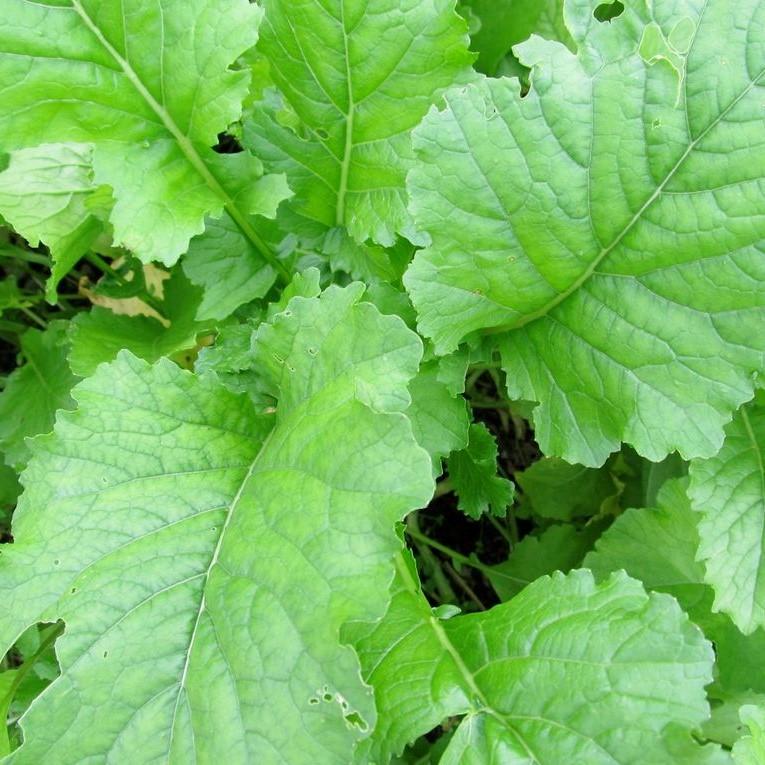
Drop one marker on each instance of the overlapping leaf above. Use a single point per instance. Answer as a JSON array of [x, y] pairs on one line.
[[358, 75], [150, 87], [204, 557], [729, 492], [47, 193], [608, 226], [565, 672]]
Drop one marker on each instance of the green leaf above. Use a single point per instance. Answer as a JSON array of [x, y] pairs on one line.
[[440, 419], [659, 546], [555, 489], [568, 671], [149, 86], [204, 557], [507, 22], [46, 194], [728, 491], [750, 750], [358, 75], [99, 334], [227, 264], [35, 390], [569, 223], [473, 474], [558, 548]]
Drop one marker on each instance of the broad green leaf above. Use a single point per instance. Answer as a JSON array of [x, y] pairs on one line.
[[149, 86], [358, 75], [47, 195], [750, 750], [558, 548], [728, 491], [571, 222], [204, 557], [473, 474], [439, 419], [566, 672], [35, 390], [658, 545], [555, 489], [503, 23], [99, 334]]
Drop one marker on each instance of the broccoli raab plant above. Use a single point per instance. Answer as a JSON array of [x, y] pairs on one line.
[[381, 382]]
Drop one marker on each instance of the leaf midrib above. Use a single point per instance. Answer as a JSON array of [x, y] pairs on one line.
[[636, 218], [186, 146]]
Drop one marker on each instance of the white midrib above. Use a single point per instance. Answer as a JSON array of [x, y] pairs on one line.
[[185, 145], [606, 251], [345, 166], [203, 602]]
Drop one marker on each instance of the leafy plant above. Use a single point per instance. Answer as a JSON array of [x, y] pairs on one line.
[[382, 382]]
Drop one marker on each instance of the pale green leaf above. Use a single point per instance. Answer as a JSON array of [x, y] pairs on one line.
[[99, 334], [728, 491], [473, 474], [750, 750], [44, 195], [572, 221], [358, 75], [439, 419], [149, 85], [658, 545], [204, 557], [566, 672], [35, 390]]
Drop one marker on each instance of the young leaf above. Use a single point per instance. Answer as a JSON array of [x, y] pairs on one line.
[[569, 222], [359, 75], [45, 194], [729, 492], [473, 473], [150, 87], [568, 671], [204, 557], [35, 390]]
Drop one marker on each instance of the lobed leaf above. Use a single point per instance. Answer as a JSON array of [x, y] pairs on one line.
[[204, 557], [588, 221], [149, 85], [358, 75]]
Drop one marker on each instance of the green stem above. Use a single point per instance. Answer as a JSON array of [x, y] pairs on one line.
[[143, 295], [23, 670], [33, 316], [482, 567], [443, 588], [501, 529], [11, 251]]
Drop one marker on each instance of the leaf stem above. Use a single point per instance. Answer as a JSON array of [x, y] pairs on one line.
[[23, 670], [476, 564]]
